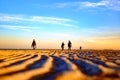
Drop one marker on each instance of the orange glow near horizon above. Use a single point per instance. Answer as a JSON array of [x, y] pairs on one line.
[[55, 44]]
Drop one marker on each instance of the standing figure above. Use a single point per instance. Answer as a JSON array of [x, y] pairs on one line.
[[69, 45], [33, 44], [62, 45], [80, 47]]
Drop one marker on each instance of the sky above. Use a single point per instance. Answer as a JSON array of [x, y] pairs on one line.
[[92, 24]]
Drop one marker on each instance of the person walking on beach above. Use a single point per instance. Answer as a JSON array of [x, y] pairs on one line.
[[62, 45], [69, 45], [33, 44], [80, 47]]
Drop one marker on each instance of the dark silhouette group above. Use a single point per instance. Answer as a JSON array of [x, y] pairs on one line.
[[69, 45], [62, 45]]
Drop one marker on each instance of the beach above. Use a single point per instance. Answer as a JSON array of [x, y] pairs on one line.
[[58, 64]]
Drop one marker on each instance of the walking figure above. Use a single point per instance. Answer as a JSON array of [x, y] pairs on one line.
[[62, 45], [69, 45], [33, 44], [80, 47]]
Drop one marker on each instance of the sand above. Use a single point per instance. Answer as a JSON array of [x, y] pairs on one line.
[[59, 65]]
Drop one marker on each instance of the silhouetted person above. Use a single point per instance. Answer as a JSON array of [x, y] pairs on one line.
[[69, 45], [33, 44], [80, 47], [62, 45]]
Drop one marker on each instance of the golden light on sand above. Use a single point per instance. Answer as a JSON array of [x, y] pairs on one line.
[[59, 65]]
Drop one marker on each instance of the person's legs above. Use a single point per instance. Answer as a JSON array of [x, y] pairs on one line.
[[33, 47]]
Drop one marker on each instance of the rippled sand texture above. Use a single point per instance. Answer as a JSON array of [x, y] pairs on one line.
[[59, 65]]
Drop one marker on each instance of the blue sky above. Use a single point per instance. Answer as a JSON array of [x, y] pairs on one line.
[[90, 23]]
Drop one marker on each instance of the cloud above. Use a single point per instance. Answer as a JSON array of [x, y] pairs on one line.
[[52, 20], [102, 30], [61, 36], [109, 4], [101, 3], [13, 27], [5, 17], [36, 19], [103, 39], [102, 34], [106, 4]]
